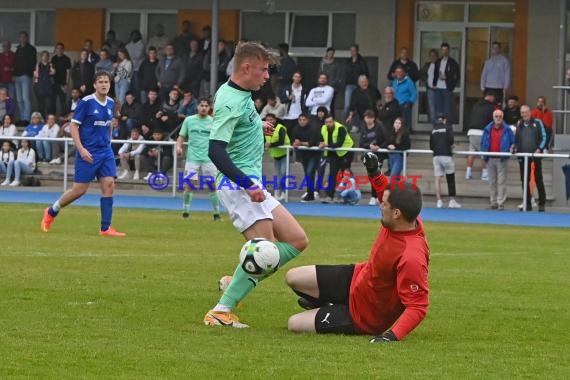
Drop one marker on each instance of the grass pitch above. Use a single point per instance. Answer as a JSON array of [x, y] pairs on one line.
[[74, 305]]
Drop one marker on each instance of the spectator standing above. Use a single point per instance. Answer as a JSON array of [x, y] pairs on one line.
[[364, 97], [335, 135], [92, 57], [159, 40], [286, 69], [206, 39], [355, 67], [181, 43], [7, 63], [82, 73], [409, 66], [279, 155], [62, 77], [169, 73], [512, 111], [544, 114], [136, 50], [44, 84], [446, 77], [441, 143], [193, 71], [427, 75], [333, 68], [481, 116], [147, 73], [294, 98], [398, 139], [113, 44], [496, 75], [123, 74], [44, 147], [223, 61], [531, 137], [105, 63], [24, 66], [307, 135], [320, 96], [406, 94], [497, 137], [6, 103]]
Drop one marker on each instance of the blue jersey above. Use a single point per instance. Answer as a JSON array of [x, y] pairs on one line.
[[94, 120]]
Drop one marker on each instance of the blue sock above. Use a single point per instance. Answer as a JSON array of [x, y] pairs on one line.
[[106, 212], [52, 212]]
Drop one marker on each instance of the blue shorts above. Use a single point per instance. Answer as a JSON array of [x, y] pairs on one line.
[[103, 166]]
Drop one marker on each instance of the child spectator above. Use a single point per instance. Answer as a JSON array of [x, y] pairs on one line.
[[50, 130], [26, 163], [6, 156], [441, 143], [346, 190]]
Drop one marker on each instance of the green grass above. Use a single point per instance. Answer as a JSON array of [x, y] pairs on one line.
[[74, 305]]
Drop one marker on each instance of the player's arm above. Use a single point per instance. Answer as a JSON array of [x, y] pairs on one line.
[[220, 157], [412, 285], [182, 136], [78, 117]]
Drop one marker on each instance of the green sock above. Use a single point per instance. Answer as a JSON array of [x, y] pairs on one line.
[[187, 200], [215, 201], [286, 252], [238, 289]]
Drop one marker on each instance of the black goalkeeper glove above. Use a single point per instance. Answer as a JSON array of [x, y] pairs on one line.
[[373, 166], [388, 336]]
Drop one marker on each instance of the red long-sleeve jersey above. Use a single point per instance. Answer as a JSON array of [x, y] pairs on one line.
[[391, 288], [544, 115]]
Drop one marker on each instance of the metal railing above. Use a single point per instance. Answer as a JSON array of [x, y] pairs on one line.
[[524, 156]]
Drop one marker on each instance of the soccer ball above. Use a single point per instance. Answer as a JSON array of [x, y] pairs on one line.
[[259, 257]]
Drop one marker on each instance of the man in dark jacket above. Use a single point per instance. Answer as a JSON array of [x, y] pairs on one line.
[[445, 78], [194, 67], [530, 137], [363, 98], [355, 67], [441, 143], [405, 62], [481, 116], [390, 110], [24, 66], [147, 73]]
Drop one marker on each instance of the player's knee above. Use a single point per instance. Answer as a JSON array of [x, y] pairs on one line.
[[292, 277], [301, 242], [294, 323]]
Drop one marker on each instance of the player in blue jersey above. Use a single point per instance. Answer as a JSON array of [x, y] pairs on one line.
[[91, 133]]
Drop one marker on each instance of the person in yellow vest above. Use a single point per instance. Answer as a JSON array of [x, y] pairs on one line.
[[279, 155], [335, 135]]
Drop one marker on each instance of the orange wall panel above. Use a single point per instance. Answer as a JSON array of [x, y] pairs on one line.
[[405, 26], [229, 22], [76, 25]]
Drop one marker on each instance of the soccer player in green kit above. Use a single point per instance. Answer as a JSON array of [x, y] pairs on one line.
[[236, 148], [196, 129]]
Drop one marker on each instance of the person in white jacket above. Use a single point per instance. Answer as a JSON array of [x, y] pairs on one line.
[[26, 163], [131, 151], [320, 96], [50, 130]]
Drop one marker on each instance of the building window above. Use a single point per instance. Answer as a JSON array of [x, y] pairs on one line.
[[123, 22], [309, 31], [39, 24], [441, 12], [267, 28], [344, 30], [492, 13]]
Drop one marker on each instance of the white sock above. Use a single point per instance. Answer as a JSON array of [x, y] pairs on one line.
[[468, 170], [56, 207], [222, 308]]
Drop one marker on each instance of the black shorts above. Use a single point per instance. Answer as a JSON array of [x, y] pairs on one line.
[[334, 286]]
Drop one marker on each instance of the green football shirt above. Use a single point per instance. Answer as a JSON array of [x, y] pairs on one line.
[[197, 129], [237, 122]]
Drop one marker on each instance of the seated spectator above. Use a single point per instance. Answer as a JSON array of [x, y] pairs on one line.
[[130, 113], [8, 129], [398, 139], [167, 115], [50, 130], [346, 190], [188, 105], [58, 147], [157, 157], [441, 143], [147, 73], [389, 110], [6, 103], [372, 138], [307, 135], [146, 132], [25, 163], [71, 103], [274, 107], [131, 151], [512, 111], [6, 156], [35, 126], [279, 155]]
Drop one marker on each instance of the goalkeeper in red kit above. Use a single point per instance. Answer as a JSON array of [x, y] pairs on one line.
[[386, 296]]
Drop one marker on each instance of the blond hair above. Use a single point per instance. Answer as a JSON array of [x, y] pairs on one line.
[[249, 50]]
